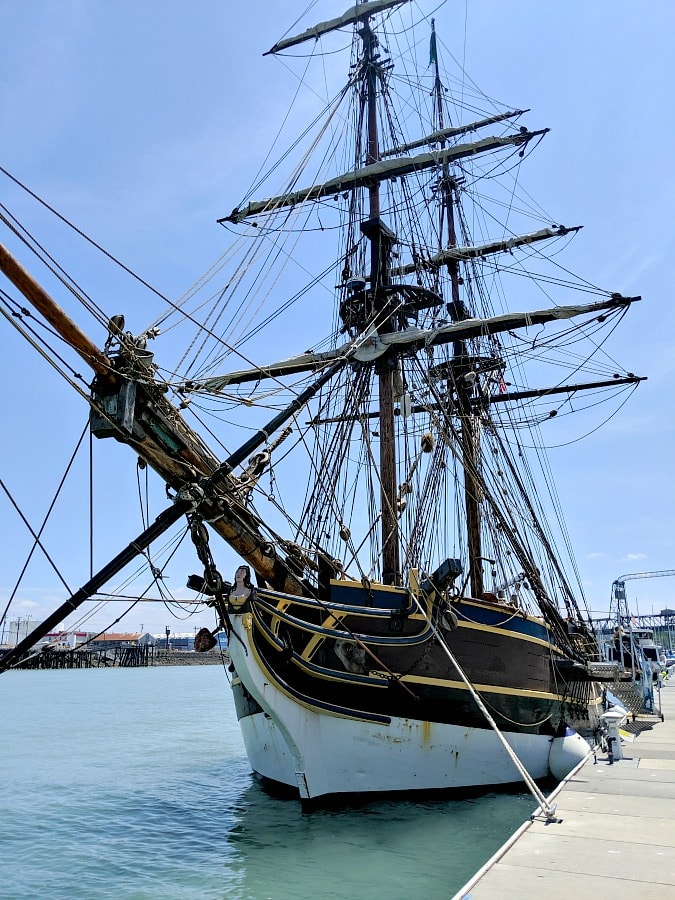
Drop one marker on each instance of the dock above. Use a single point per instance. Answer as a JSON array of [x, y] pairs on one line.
[[615, 834]]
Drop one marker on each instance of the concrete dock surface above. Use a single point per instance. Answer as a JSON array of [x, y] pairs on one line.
[[617, 834]]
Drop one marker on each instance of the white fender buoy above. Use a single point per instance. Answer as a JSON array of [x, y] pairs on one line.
[[567, 750]]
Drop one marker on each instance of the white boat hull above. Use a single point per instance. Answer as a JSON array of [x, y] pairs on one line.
[[321, 753]]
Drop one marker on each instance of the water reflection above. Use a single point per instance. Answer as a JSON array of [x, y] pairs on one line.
[[392, 849]]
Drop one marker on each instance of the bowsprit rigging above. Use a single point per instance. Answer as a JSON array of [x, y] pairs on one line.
[[403, 617]]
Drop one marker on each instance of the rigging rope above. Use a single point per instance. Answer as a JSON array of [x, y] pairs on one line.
[[548, 808], [37, 536]]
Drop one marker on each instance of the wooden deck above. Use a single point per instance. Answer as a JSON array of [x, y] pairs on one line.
[[617, 834]]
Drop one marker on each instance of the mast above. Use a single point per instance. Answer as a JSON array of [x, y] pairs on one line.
[[126, 405], [56, 317], [470, 424], [381, 240]]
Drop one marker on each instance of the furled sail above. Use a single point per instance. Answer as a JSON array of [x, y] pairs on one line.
[[377, 344], [356, 14], [372, 345], [304, 362], [380, 171], [444, 134], [460, 253]]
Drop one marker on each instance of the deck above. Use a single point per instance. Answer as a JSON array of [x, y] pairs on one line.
[[617, 834]]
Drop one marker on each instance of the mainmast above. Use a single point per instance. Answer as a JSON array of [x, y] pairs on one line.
[[381, 239], [461, 362], [378, 303]]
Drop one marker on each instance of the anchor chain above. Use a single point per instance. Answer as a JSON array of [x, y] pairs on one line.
[[213, 583], [200, 538]]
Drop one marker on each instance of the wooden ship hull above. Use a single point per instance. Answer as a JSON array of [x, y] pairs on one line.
[[338, 698]]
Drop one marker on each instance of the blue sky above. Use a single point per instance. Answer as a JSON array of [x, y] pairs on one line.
[[144, 122]]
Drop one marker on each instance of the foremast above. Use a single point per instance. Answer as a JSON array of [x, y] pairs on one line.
[[381, 239]]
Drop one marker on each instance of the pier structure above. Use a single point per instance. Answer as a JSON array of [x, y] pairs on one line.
[[120, 657], [90, 658], [614, 833]]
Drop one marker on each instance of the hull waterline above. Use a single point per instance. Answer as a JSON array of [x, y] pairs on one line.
[[322, 753]]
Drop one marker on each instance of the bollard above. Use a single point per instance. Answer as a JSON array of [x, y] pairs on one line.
[[613, 718]]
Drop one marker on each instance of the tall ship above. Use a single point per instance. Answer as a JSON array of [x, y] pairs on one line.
[[402, 618]]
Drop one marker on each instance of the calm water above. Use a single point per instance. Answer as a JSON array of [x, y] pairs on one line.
[[133, 783]]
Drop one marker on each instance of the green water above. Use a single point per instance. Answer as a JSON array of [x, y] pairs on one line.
[[134, 783]]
